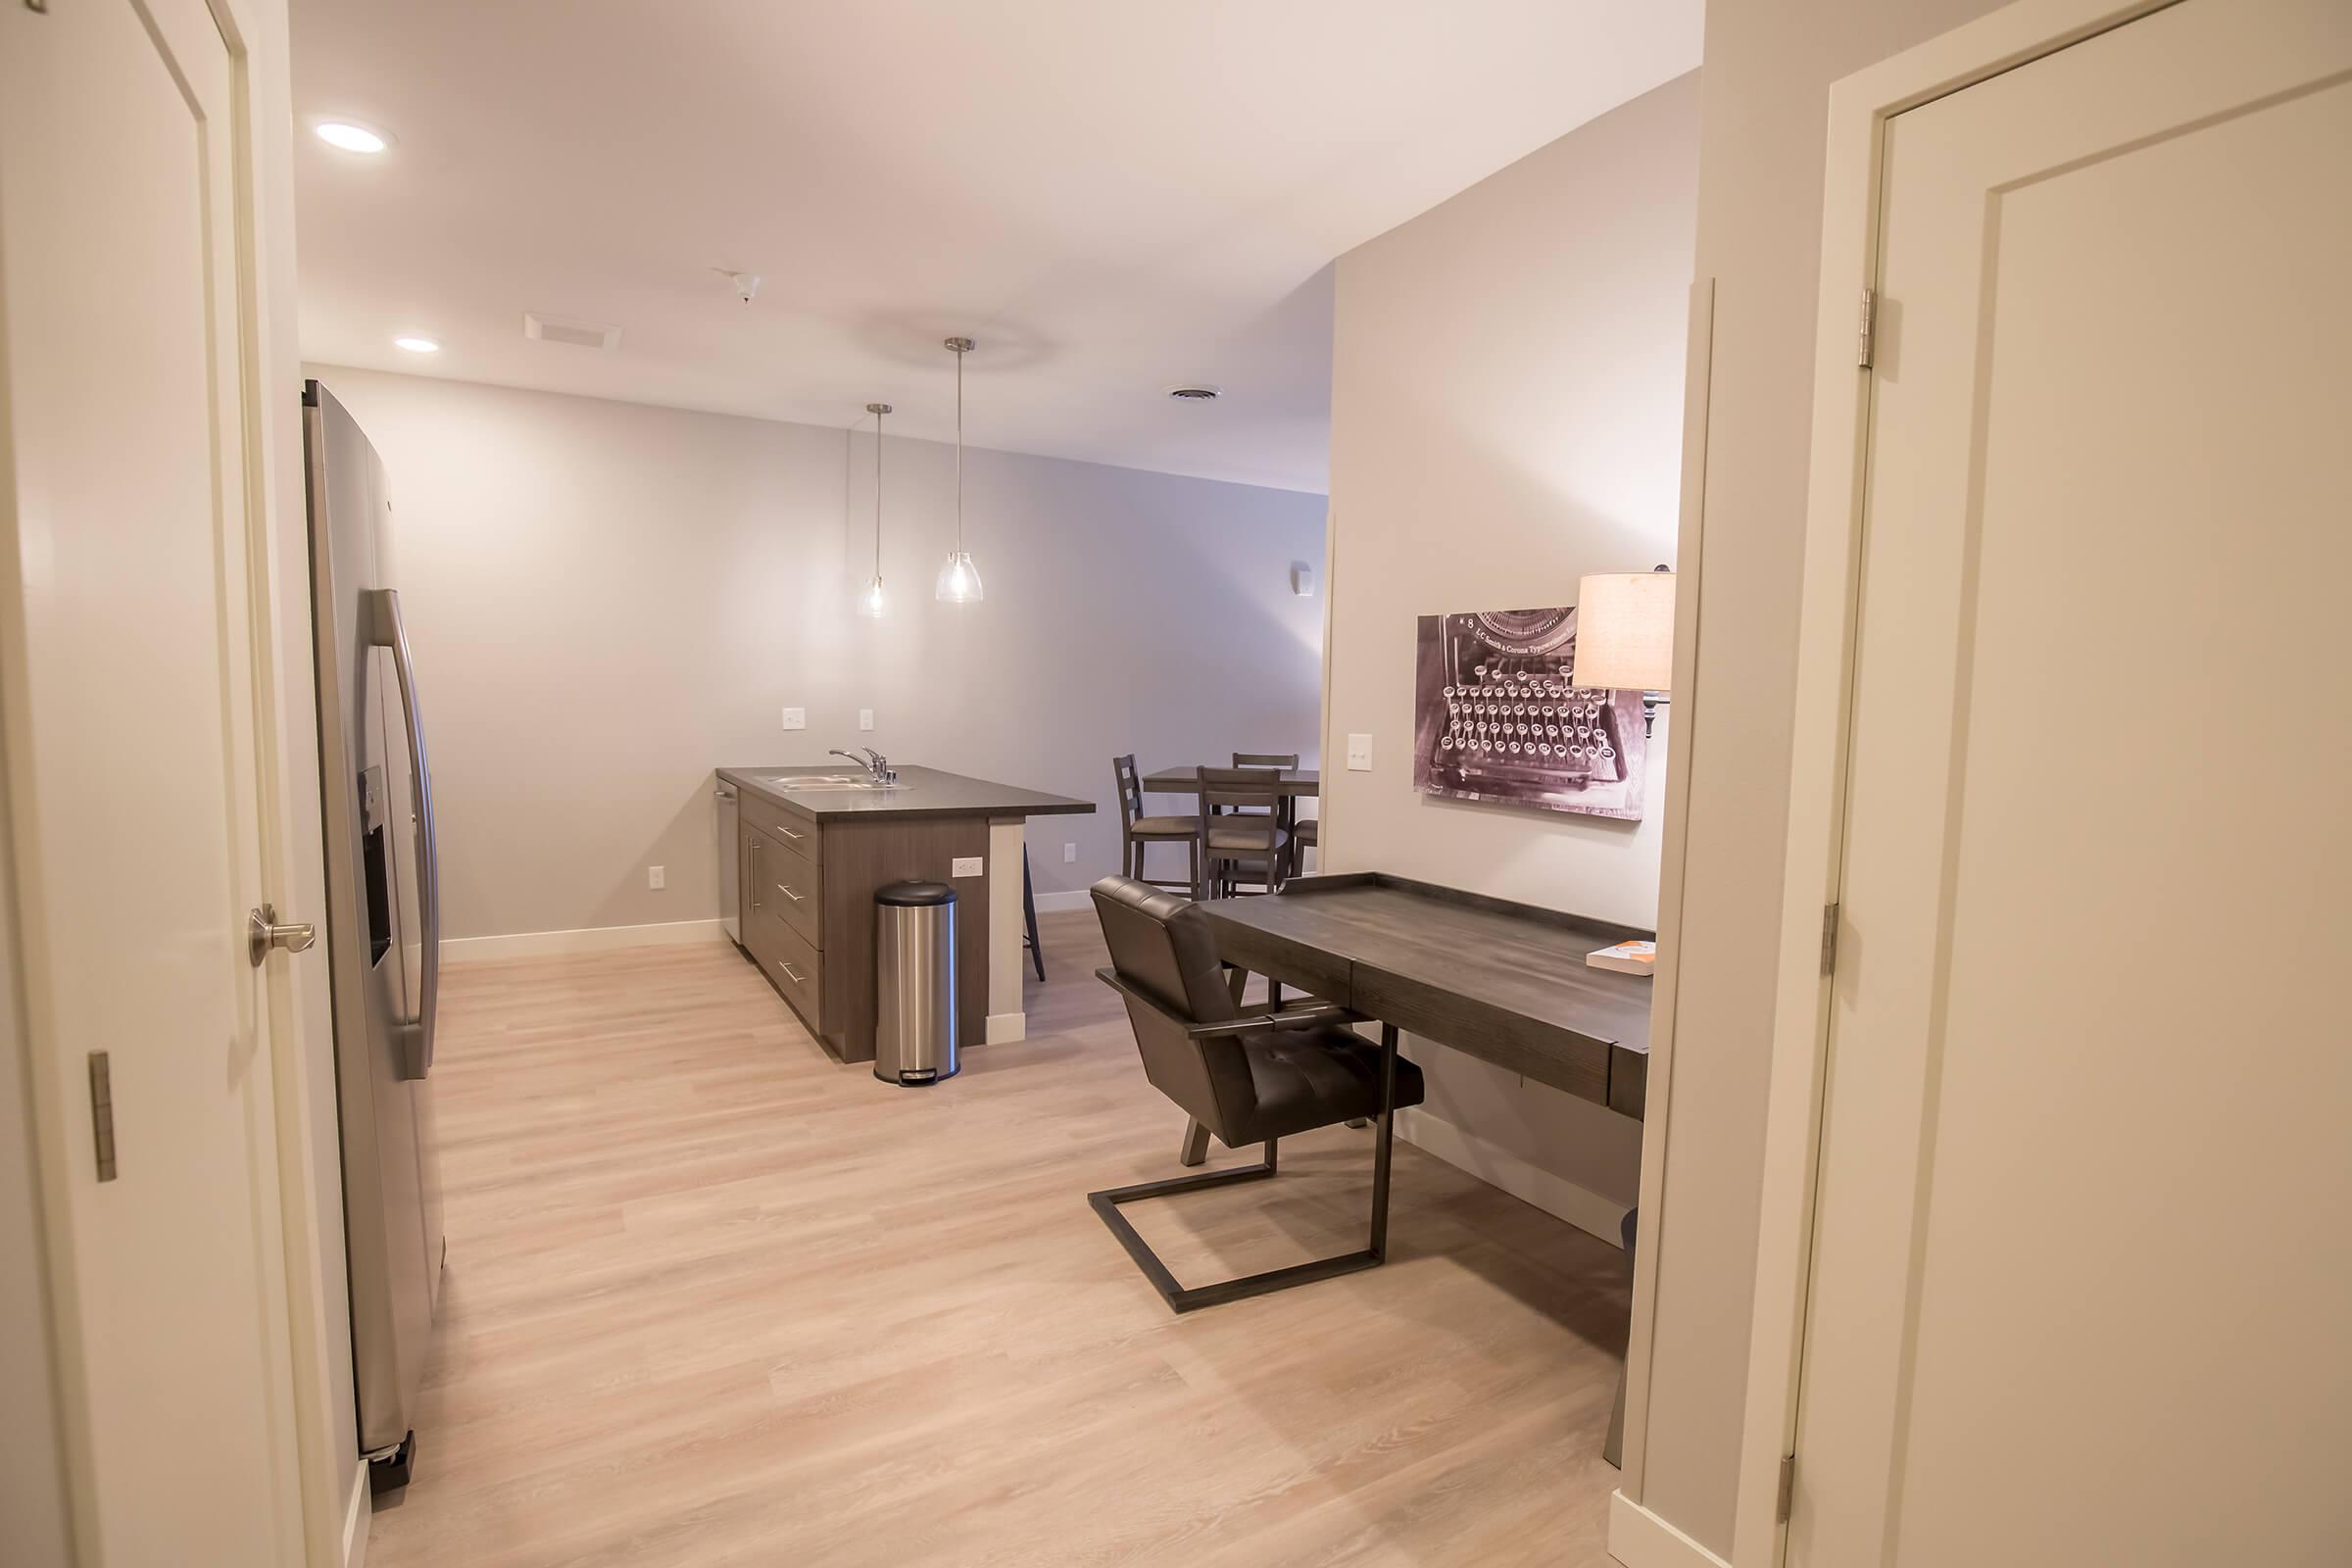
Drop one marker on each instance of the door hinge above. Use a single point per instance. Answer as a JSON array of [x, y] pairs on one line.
[[1866, 337], [102, 1115], [1829, 938], [1786, 1496]]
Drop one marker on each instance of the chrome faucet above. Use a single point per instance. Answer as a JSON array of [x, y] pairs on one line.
[[873, 762]]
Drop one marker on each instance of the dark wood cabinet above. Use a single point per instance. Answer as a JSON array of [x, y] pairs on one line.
[[808, 916], [810, 862]]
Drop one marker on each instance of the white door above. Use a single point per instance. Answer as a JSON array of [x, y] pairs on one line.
[[131, 641], [2082, 1273]]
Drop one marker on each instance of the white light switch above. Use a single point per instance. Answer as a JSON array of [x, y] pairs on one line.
[[795, 718], [1359, 754], [655, 878], [865, 718], [1070, 855], [966, 866]]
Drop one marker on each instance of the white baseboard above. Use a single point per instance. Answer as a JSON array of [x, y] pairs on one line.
[[355, 1521], [1555, 1195], [1062, 902], [590, 939], [1639, 1538], [1005, 1028]]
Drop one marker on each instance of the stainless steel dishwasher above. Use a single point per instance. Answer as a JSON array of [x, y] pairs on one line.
[[730, 885]]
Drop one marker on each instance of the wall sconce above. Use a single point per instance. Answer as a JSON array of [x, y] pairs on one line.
[[1625, 636]]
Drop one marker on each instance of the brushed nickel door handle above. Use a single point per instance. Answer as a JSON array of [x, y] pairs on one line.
[[788, 893], [264, 931]]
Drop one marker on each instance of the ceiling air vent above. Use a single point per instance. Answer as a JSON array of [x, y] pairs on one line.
[[579, 334], [1195, 392]]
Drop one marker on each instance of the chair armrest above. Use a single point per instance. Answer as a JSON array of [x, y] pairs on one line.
[[1312, 1012]]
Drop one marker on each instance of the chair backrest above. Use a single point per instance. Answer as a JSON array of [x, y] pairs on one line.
[[1278, 761], [1239, 801], [1131, 790], [1161, 944]]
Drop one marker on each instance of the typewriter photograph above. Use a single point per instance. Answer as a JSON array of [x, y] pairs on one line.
[[1495, 718]]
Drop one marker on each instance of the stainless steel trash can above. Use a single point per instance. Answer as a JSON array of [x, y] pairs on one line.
[[915, 978]]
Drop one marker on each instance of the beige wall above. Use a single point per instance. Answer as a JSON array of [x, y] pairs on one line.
[[1506, 416], [609, 600], [1763, 113]]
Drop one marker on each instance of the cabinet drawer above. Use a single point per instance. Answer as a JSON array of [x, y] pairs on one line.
[[791, 965], [789, 829], [784, 885]]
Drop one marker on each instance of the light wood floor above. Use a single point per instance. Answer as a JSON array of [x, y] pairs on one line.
[[711, 1298]]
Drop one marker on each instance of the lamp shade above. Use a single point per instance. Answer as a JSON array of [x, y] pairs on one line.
[[1625, 631]]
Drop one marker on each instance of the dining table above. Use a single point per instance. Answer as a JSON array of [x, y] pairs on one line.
[[1291, 784]]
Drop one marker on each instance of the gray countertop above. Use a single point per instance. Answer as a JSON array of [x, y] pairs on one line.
[[920, 792]]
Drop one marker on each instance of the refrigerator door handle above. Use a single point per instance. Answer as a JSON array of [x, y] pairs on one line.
[[417, 1033]]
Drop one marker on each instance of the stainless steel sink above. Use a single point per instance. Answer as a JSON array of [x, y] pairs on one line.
[[799, 782]]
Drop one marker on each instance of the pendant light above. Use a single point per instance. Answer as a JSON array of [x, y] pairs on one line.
[[958, 578], [870, 602]]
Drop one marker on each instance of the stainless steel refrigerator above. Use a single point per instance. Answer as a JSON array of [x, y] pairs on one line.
[[383, 929]]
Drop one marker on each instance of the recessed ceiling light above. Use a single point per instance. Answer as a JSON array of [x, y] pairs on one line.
[[352, 138], [1195, 391], [417, 345]]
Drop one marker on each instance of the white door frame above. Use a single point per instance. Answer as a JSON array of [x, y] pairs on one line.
[[285, 732], [1860, 105]]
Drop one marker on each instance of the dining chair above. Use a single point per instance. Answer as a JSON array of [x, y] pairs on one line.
[[1241, 838], [1135, 830], [1302, 832]]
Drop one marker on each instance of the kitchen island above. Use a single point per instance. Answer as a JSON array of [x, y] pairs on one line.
[[812, 846]]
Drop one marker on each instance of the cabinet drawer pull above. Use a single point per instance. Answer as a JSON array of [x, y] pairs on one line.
[[790, 834], [788, 893], [790, 972]]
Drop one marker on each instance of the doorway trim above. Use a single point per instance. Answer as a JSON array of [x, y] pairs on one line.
[[1859, 108]]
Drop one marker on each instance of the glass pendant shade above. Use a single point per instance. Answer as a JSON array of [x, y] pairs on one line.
[[960, 579], [871, 603]]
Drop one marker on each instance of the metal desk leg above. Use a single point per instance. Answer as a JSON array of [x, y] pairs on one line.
[[1379, 1153], [1612, 1446], [1196, 1143]]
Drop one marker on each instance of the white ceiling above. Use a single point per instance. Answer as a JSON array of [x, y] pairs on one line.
[[1110, 195]]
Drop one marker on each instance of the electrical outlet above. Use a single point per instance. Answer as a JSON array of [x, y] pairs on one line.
[[966, 866], [865, 718], [795, 718], [1359, 754], [1070, 855], [655, 878]]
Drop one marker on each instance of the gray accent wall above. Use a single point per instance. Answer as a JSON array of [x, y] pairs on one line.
[[1506, 417], [607, 600]]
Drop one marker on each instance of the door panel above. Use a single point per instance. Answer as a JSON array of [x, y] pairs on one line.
[[129, 687], [2078, 1281]]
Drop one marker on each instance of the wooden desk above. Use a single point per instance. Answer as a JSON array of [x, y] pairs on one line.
[[1505, 982], [1300, 783]]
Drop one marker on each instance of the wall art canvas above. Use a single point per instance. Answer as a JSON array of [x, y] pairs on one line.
[[1494, 718]]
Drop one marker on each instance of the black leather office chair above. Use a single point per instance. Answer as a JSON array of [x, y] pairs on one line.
[[1248, 1076]]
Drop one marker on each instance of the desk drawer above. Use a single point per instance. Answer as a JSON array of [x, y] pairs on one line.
[[790, 964], [789, 829], [782, 884]]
